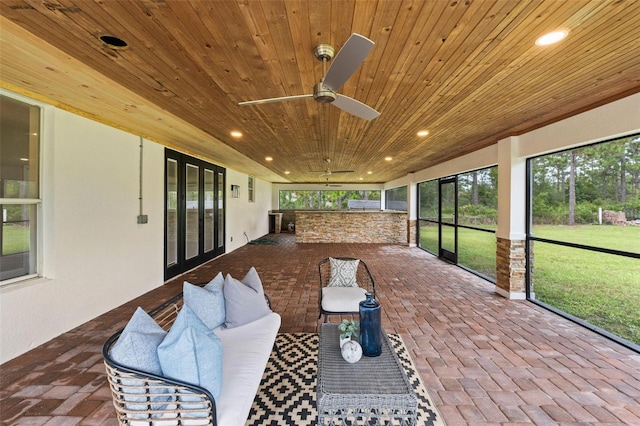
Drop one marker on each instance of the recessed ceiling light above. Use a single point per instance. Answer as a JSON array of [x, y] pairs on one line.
[[113, 42], [422, 133], [388, 158], [24, 159], [369, 172], [552, 37], [361, 178], [268, 158], [235, 134], [286, 172]]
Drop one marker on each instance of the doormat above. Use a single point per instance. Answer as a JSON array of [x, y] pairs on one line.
[[263, 241]]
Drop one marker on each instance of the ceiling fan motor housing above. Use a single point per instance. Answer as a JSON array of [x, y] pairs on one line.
[[323, 94], [324, 52]]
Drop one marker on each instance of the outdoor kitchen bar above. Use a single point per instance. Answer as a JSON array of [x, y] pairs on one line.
[[351, 226]]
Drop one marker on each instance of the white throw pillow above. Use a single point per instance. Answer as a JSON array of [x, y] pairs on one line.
[[244, 300], [343, 272]]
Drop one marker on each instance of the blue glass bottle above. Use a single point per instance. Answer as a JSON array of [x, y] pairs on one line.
[[370, 327]]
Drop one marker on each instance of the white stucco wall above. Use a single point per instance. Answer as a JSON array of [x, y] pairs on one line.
[[95, 255], [609, 121], [243, 216]]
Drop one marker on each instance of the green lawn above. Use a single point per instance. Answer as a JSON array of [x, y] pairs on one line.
[[476, 249], [15, 239], [626, 238], [602, 289]]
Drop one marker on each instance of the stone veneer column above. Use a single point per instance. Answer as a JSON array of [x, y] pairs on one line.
[[510, 266], [412, 233], [511, 233], [412, 211]]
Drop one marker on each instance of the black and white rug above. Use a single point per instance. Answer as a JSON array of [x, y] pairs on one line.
[[287, 393]]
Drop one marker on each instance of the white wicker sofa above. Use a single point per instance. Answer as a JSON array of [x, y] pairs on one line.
[[154, 398]]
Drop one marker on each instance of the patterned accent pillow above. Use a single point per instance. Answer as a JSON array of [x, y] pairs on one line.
[[343, 272]]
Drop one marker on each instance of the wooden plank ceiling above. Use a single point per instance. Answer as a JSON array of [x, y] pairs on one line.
[[467, 71]]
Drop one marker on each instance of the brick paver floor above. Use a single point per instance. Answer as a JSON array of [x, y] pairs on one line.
[[484, 359]]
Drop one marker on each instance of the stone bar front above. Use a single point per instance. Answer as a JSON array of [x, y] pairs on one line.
[[351, 226]]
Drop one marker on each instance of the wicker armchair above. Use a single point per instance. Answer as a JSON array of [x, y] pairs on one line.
[[343, 300]]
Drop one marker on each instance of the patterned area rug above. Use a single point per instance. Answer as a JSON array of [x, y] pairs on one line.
[[287, 393]]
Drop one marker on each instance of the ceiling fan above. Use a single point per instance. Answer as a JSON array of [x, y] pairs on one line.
[[328, 172], [347, 61]]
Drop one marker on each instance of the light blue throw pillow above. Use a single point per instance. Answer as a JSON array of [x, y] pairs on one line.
[[244, 300], [192, 353], [137, 348], [138, 344], [216, 283], [207, 302]]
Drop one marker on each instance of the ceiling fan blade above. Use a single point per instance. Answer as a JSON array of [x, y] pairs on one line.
[[354, 107], [333, 172], [270, 100], [347, 61]]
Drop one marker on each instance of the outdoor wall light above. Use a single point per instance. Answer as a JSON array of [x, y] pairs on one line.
[[235, 191]]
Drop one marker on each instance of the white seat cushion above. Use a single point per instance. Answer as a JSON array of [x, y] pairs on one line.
[[342, 299], [245, 352]]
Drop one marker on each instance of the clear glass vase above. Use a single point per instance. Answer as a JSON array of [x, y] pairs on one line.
[[370, 326]]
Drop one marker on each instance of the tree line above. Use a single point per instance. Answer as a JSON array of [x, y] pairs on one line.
[[570, 186], [322, 199]]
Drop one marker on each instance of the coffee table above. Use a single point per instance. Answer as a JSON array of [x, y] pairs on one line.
[[373, 391]]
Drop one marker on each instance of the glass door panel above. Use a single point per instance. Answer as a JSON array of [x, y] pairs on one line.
[[448, 219], [192, 217], [220, 221], [209, 204], [171, 220]]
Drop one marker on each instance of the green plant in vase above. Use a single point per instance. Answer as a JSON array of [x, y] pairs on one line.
[[348, 329]]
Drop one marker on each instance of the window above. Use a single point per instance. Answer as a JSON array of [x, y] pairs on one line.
[[19, 188], [250, 189], [583, 233], [396, 199], [329, 200]]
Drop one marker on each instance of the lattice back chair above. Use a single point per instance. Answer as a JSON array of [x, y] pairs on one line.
[[343, 284]]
